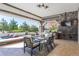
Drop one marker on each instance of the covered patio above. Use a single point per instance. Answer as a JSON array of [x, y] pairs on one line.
[[63, 48], [61, 19]]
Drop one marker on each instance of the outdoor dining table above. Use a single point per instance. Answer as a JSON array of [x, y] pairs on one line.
[[39, 39], [43, 45], [42, 41]]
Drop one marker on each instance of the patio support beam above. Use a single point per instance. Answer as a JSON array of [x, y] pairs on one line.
[[21, 10], [19, 14], [41, 29]]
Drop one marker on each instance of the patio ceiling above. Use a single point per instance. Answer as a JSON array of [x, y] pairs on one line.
[[11, 10], [53, 8], [30, 10]]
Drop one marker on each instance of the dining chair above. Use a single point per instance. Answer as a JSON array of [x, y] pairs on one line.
[[50, 41], [28, 42], [53, 38]]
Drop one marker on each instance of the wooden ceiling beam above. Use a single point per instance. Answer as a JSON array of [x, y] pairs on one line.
[[21, 10], [18, 14]]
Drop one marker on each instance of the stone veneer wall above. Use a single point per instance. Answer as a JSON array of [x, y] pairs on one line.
[[67, 16]]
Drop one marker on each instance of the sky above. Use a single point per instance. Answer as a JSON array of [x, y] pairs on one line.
[[20, 20]]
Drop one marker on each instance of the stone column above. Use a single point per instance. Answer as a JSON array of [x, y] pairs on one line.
[[41, 28]]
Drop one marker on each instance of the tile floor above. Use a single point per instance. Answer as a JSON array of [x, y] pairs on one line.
[[63, 48]]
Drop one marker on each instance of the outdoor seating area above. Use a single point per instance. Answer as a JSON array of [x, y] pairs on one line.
[[39, 41], [43, 29]]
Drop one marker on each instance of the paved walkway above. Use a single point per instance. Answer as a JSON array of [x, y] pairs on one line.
[[65, 48], [13, 52], [16, 45]]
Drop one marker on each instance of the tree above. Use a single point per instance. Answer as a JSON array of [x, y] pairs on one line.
[[13, 25], [3, 25], [25, 27], [0, 26], [34, 28]]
